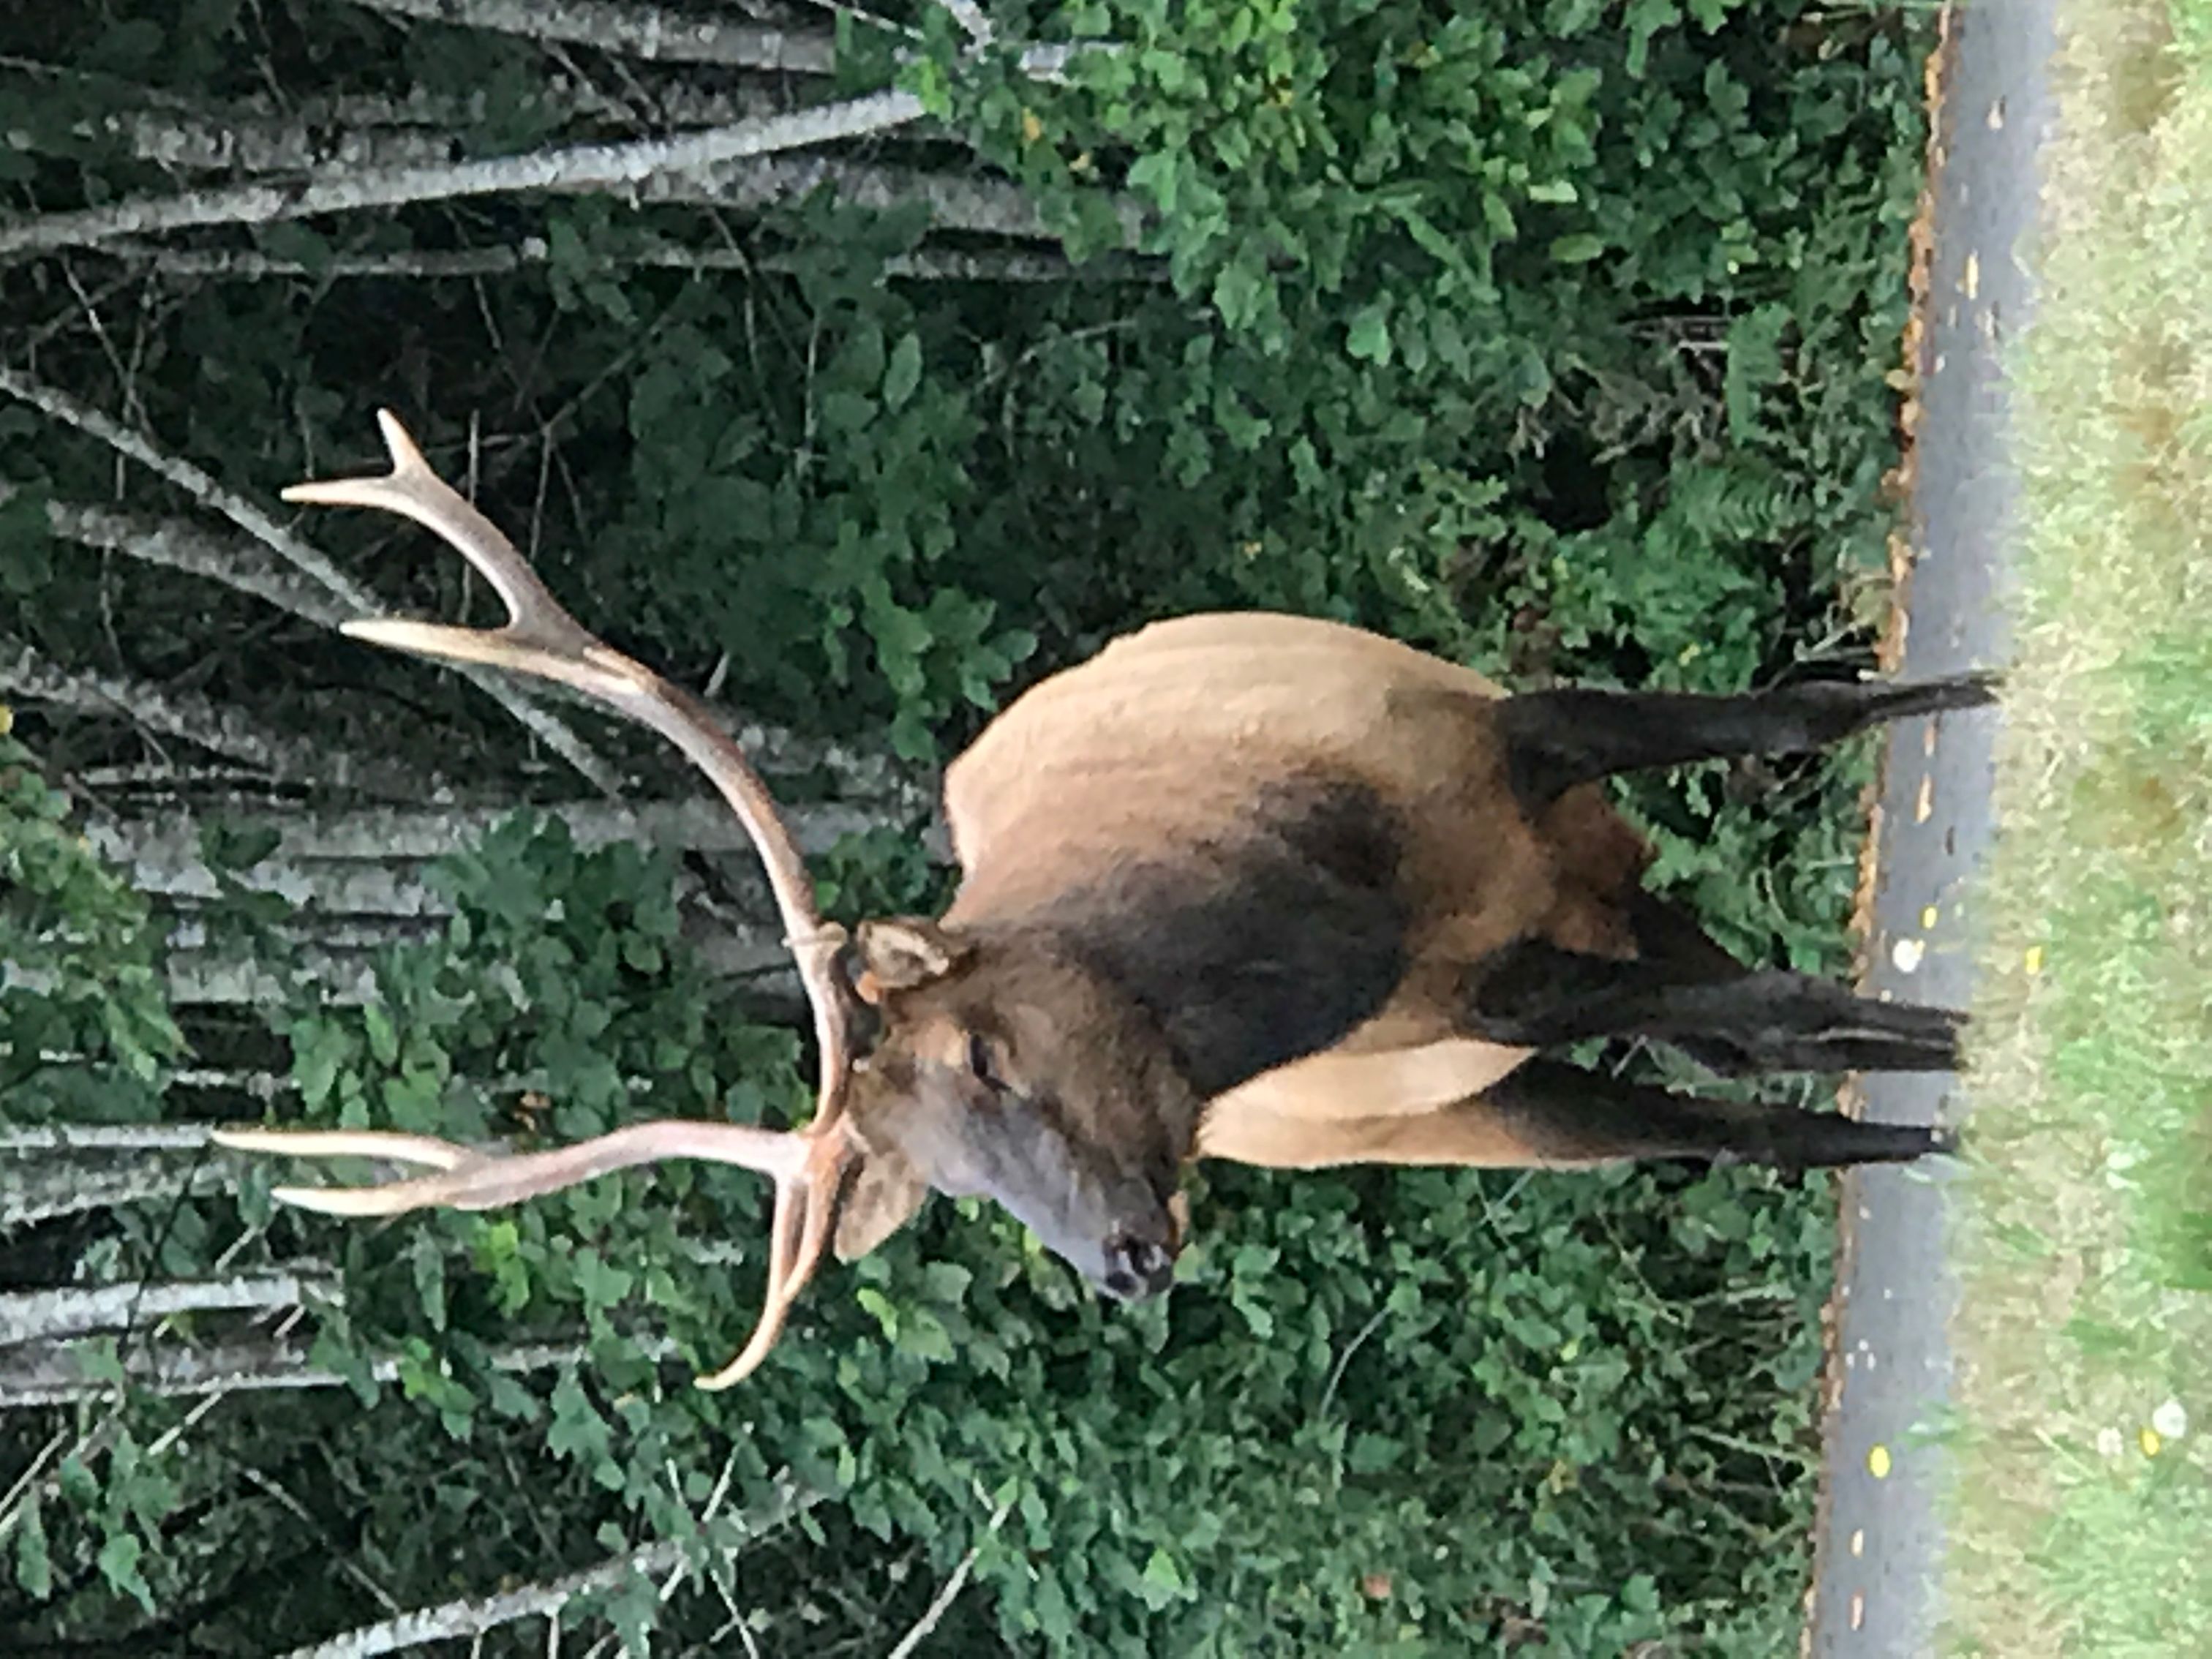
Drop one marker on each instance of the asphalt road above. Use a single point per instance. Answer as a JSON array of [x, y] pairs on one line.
[[1879, 1537]]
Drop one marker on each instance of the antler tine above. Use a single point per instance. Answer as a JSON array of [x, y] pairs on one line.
[[473, 1180], [541, 639], [799, 1236], [412, 489]]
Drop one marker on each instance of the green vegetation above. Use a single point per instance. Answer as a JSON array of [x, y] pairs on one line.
[[1555, 341], [2082, 1518]]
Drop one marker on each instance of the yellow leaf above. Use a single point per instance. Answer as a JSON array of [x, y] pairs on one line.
[[2033, 961], [1878, 1462], [2150, 1440], [1032, 129]]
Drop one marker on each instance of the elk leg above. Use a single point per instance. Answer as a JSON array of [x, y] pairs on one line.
[[1565, 1114], [1667, 933], [1557, 739], [1535, 995]]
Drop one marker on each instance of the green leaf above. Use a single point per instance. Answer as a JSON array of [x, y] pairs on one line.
[[1158, 175], [1755, 362], [1578, 249], [34, 1571], [1162, 1580], [427, 1262], [118, 1565], [924, 1333], [1371, 1453], [945, 1283], [903, 372], [1645, 18], [383, 1037], [577, 1431], [319, 1048], [1369, 335], [601, 1284]]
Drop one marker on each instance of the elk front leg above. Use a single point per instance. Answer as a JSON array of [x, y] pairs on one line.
[[1566, 1115]]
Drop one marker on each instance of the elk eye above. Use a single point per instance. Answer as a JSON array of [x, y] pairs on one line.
[[982, 1062]]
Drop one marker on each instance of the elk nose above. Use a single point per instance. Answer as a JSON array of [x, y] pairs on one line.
[[1137, 1267]]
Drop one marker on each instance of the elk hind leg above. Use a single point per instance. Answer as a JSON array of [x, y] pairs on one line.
[[1557, 739], [1535, 995], [1565, 1113]]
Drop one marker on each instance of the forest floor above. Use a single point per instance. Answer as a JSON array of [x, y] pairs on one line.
[[2080, 1518]]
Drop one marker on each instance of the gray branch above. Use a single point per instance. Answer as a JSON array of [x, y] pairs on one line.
[[320, 857], [631, 31], [475, 1615], [956, 200], [40, 1188], [283, 128], [948, 1591], [343, 973], [924, 264], [576, 167], [179, 544], [50, 400], [197, 720], [105, 1138], [414, 127], [75, 1310], [191, 143], [417, 129], [58, 1374]]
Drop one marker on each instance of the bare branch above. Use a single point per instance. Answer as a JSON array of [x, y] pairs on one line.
[[316, 853], [677, 102], [873, 778], [179, 544], [168, 783], [60, 1373], [211, 143], [474, 1616], [956, 200], [197, 720], [549, 728], [105, 1138], [576, 167], [46, 1189], [345, 976], [973, 22], [950, 1589], [630, 31], [414, 127], [194, 480], [923, 264], [53, 1314]]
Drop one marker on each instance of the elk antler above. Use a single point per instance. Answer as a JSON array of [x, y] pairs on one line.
[[541, 639]]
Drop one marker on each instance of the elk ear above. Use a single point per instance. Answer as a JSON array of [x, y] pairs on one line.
[[880, 1198], [898, 955]]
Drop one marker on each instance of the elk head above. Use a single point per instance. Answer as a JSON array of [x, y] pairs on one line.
[[1008, 1068], [1004, 1066]]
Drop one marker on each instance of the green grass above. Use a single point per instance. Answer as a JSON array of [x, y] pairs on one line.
[[2085, 1242]]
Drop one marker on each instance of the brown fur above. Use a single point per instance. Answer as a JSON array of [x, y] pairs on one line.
[[1158, 745]]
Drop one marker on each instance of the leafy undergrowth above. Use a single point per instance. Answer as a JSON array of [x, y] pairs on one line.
[[1545, 337], [2082, 1519]]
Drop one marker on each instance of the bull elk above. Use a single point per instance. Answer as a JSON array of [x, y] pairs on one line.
[[1243, 886]]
